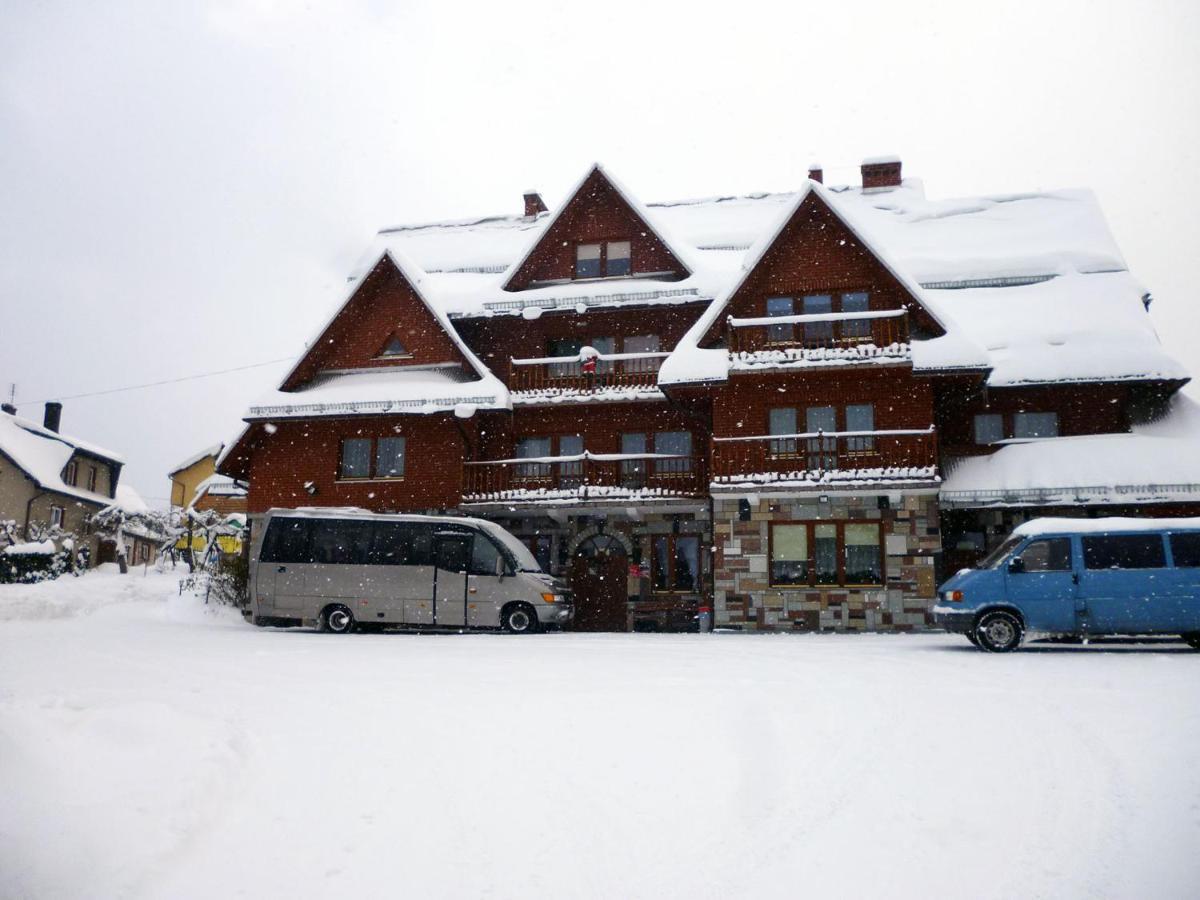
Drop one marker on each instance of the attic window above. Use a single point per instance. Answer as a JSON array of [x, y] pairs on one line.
[[610, 259], [394, 349]]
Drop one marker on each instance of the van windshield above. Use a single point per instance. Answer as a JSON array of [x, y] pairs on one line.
[[525, 560], [997, 556]]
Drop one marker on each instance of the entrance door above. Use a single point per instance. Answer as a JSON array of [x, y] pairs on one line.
[[598, 579], [452, 553]]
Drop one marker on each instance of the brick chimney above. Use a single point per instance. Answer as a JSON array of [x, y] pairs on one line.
[[534, 204], [815, 172], [53, 417], [8, 408], [881, 173]]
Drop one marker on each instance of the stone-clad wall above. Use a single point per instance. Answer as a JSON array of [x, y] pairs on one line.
[[744, 598]]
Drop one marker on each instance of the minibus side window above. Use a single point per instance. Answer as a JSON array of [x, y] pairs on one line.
[[484, 557], [286, 541], [1124, 551], [340, 541], [1185, 548], [402, 544], [1049, 555], [452, 555]]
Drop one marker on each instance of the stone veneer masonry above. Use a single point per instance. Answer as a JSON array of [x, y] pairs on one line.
[[744, 599]]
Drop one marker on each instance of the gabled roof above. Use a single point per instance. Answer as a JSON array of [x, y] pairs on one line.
[[213, 451], [573, 197], [43, 455]]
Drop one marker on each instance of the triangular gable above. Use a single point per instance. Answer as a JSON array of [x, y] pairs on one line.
[[598, 208], [813, 195], [386, 305]]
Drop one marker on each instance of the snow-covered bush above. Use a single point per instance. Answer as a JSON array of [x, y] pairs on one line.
[[31, 562]]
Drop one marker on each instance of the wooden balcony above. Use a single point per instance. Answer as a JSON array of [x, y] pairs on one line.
[[585, 476], [825, 331], [575, 375], [826, 457]]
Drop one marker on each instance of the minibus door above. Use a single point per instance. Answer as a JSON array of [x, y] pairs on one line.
[[452, 553]]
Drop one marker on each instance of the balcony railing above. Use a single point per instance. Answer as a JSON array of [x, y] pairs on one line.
[[586, 373], [826, 456], [585, 476], [882, 328]]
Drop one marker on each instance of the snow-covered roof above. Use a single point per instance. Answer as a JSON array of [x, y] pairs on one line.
[[129, 500], [1029, 286], [1153, 464], [213, 451], [403, 389], [43, 455]]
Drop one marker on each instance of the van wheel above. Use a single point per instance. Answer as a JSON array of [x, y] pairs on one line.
[[1193, 638], [973, 638], [999, 632], [337, 620], [519, 619]]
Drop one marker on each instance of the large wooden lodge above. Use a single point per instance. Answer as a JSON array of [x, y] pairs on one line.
[[795, 410]]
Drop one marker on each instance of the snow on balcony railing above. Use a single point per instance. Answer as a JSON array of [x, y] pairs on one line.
[[586, 372], [897, 454], [1077, 495], [880, 328], [584, 475]]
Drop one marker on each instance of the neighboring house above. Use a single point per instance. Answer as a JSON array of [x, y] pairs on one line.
[[50, 479], [799, 409], [195, 484]]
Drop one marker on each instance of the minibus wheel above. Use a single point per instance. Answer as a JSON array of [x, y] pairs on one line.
[[999, 632], [337, 620], [519, 619], [1192, 638]]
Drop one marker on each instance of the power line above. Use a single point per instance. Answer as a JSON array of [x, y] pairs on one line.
[[150, 384]]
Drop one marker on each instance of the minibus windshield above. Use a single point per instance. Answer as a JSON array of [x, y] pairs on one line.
[[525, 560], [994, 558]]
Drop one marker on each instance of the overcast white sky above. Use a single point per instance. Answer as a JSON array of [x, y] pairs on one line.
[[185, 186]]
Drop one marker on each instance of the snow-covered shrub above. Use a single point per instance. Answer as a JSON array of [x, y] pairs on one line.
[[226, 580], [33, 562]]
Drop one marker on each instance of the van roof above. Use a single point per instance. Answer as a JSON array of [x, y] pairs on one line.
[[357, 512], [1104, 525]]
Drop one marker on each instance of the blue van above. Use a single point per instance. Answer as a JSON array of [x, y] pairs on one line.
[[1080, 577]]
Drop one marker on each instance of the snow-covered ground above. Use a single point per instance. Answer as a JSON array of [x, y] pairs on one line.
[[150, 747]]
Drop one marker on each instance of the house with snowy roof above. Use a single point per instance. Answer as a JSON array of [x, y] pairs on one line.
[[798, 409], [52, 480], [195, 482]]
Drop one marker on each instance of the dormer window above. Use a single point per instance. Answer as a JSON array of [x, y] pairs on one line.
[[394, 349], [609, 259]]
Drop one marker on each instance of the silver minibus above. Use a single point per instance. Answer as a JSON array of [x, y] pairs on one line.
[[338, 569]]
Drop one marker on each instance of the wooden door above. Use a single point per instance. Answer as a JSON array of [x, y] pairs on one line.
[[598, 579]]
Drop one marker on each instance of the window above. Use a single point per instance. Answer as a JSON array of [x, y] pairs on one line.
[[641, 343], [821, 452], [989, 428], [393, 349], [842, 553], [71, 475], [856, 303], [619, 258], [356, 458], [860, 417], [863, 559], [1050, 555], [389, 457], [678, 443], [633, 471], [587, 261], [485, 557], [1185, 549], [570, 474], [91, 478], [676, 563], [1035, 425], [780, 306], [1124, 551], [789, 554], [56, 516], [605, 345], [286, 541], [782, 421], [340, 542], [611, 259], [820, 418], [533, 448], [402, 544], [825, 555], [564, 347], [818, 332]]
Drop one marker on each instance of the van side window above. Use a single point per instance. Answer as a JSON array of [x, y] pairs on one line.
[[1185, 548], [402, 544], [484, 555], [340, 541], [1049, 555], [452, 555], [286, 541], [1124, 551]]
